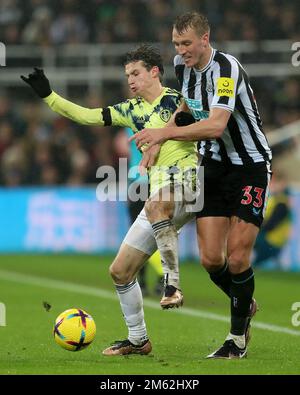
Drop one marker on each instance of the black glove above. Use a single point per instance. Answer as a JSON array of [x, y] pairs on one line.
[[38, 82], [184, 118]]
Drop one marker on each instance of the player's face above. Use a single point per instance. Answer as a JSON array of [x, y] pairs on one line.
[[139, 78], [190, 46]]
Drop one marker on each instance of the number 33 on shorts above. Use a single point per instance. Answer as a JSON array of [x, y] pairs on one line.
[[253, 195]]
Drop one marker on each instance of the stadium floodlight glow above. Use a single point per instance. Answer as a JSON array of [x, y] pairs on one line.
[[2, 54]]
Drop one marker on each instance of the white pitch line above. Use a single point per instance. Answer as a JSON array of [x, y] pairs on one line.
[[98, 292]]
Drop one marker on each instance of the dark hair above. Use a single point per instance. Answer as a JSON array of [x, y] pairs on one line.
[[193, 20], [148, 54]]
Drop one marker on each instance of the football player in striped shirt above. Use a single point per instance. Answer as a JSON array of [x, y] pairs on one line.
[[224, 119]]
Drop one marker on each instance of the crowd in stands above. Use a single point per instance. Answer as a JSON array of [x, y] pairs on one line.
[[40, 148], [55, 22]]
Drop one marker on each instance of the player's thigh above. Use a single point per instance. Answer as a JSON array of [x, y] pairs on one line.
[[241, 240], [175, 207], [251, 186], [212, 233], [127, 263], [160, 205], [140, 235]]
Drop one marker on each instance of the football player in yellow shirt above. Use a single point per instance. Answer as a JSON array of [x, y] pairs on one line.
[[164, 213]]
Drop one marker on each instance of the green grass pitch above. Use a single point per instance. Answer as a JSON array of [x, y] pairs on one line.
[[181, 338]]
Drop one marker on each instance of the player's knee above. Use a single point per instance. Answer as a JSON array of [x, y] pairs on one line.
[[238, 262], [212, 261], [156, 210], [118, 274], [114, 273]]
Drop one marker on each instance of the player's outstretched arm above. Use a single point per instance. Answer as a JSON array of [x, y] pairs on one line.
[[41, 86], [38, 82]]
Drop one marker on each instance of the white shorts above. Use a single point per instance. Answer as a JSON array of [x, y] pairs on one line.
[[141, 235]]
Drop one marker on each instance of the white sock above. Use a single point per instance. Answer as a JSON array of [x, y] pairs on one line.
[[240, 341], [131, 302], [166, 238]]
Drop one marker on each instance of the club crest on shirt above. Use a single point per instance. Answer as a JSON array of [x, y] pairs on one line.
[[165, 115], [209, 87], [140, 120]]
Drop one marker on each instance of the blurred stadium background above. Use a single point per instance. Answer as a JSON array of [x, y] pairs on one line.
[[48, 164], [48, 180]]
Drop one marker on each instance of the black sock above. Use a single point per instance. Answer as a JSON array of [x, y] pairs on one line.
[[241, 292], [222, 278]]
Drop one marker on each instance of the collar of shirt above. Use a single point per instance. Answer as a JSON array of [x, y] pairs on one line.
[[209, 62]]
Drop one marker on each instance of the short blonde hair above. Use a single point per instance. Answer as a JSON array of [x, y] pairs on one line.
[[193, 20]]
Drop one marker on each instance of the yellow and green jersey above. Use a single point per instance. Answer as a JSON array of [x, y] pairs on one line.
[[138, 114]]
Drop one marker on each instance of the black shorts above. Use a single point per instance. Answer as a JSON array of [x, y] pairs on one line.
[[234, 190]]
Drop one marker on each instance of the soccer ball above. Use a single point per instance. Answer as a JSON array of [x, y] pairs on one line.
[[74, 329]]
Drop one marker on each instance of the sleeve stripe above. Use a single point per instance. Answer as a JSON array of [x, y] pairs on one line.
[[106, 116]]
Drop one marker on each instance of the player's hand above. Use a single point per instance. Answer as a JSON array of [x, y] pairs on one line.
[[38, 82], [149, 158], [183, 118], [150, 137]]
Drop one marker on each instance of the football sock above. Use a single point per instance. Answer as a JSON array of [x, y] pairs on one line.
[[166, 238], [241, 292], [131, 301], [222, 278]]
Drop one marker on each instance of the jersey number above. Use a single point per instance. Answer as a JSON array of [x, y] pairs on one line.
[[247, 197]]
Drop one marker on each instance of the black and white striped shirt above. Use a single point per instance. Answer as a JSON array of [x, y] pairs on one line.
[[223, 83]]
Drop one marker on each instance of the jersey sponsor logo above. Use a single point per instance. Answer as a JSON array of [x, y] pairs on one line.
[[196, 109], [165, 115], [225, 87]]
